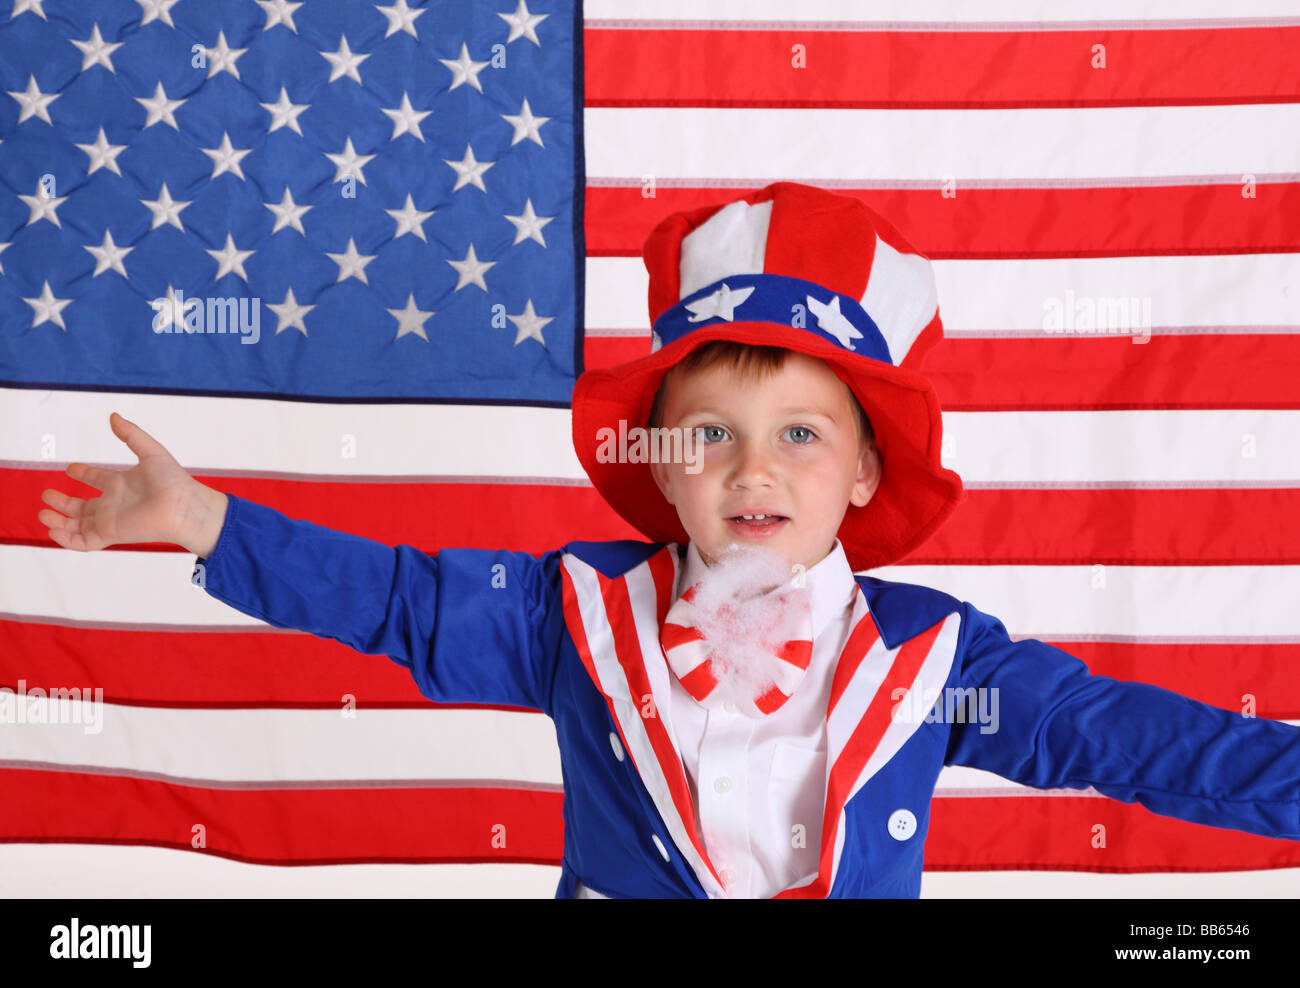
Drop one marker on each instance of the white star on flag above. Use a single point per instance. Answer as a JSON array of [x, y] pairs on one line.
[[165, 209], [722, 302], [222, 57], [410, 319], [48, 308], [401, 18], [102, 154], [471, 270], [406, 120], [463, 69], [344, 61], [171, 310], [4, 247], [34, 103], [229, 259], [284, 113], [108, 256], [409, 219], [523, 24], [95, 52], [351, 264], [157, 9], [526, 125], [279, 12], [287, 213], [350, 163], [22, 6], [469, 171], [833, 321], [43, 207], [226, 158], [160, 108], [289, 313], [529, 224], [529, 324]]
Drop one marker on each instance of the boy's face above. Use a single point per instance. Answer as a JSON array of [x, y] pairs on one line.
[[788, 446]]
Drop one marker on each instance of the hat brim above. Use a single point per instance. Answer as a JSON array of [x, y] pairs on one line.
[[916, 493]]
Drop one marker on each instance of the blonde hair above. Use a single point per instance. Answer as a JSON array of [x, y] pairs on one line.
[[751, 363]]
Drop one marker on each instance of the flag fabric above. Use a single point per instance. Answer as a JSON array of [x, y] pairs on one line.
[[432, 214]]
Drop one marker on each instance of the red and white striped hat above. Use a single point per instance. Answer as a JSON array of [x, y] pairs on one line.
[[740, 271]]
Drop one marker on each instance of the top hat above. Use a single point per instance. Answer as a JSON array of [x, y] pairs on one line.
[[816, 272]]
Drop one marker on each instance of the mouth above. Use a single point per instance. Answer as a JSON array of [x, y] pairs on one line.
[[757, 525]]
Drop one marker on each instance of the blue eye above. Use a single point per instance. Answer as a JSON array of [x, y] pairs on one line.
[[707, 433], [802, 428]]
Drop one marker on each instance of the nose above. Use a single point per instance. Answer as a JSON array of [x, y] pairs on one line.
[[753, 466]]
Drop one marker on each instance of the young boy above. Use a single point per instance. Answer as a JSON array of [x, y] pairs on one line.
[[787, 326]]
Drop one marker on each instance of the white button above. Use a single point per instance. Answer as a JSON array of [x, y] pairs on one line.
[[614, 743], [660, 844], [728, 876], [902, 824], [730, 708], [722, 784]]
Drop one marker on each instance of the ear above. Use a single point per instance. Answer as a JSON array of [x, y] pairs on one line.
[[869, 472], [659, 471]]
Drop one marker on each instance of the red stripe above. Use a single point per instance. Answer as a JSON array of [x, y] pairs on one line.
[[857, 751], [1059, 372], [797, 653], [931, 69], [672, 635], [699, 682], [284, 826], [771, 700], [861, 641], [1016, 222], [1034, 527], [455, 825], [1056, 833], [1064, 372], [270, 668]]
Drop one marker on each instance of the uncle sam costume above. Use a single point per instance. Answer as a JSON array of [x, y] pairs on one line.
[[575, 632]]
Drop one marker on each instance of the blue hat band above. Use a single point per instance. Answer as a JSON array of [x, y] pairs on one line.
[[774, 298]]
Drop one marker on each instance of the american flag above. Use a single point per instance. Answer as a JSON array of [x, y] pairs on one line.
[[436, 212]]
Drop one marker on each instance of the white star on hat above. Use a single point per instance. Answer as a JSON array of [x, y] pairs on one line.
[[721, 303], [833, 321]]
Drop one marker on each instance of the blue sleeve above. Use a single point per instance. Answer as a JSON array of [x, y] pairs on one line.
[[471, 625], [1061, 727]]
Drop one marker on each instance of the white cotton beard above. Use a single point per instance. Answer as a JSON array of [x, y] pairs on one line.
[[747, 608]]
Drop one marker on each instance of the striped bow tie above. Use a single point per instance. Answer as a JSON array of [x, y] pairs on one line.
[[753, 653]]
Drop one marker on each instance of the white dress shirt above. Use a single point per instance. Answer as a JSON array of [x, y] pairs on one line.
[[759, 785]]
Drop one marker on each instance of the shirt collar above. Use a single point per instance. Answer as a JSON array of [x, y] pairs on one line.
[[831, 581]]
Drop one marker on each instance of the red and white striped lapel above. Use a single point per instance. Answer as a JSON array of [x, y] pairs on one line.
[[615, 623], [861, 734]]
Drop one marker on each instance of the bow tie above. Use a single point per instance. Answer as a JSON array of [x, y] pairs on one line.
[[752, 652]]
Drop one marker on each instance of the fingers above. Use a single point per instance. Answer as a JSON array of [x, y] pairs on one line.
[[70, 506], [139, 441], [96, 477]]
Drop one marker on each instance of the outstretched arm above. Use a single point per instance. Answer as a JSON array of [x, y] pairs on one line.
[[1060, 727]]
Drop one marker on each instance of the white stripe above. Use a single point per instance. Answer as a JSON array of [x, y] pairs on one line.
[[1031, 14], [1003, 449], [1062, 601], [151, 590], [418, 747], [94, 871], [1182, 448], [241, 436], [731, 241], [802, 145], [900, 297], [1012, 296]]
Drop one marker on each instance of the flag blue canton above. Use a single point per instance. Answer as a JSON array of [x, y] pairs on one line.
[[391, 192]]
